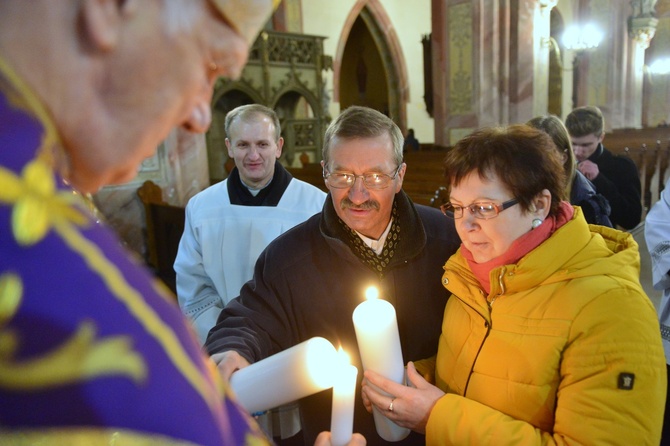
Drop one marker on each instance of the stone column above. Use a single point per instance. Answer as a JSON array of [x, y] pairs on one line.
[[529, 30], [641, 29], [541, 49]]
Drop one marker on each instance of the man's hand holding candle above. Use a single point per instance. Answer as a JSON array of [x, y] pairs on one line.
[[228, 362]]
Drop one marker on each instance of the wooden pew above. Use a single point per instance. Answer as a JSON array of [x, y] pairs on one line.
[[617, 140], [425, 175], [309, 173], [164, 227], [649, 149]]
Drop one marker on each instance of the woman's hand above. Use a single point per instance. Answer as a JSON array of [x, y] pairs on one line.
[[407, 406]]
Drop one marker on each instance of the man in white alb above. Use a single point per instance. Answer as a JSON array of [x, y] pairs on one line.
[[230, 223]]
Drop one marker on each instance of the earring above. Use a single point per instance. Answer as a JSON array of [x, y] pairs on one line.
[[536, 222]]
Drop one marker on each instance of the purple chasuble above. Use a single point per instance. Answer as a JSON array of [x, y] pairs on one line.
[[93, 347]]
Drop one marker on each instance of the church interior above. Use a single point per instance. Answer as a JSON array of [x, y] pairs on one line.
[[440, 67]]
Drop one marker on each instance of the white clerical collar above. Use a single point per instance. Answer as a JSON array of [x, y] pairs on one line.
[[253, 191], [376, 245]]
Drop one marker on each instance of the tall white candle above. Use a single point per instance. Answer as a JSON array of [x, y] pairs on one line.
[[297, 372], [344, 393], [379, 345]]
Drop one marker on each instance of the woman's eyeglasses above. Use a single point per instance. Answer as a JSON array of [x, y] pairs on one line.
[[484, 210]]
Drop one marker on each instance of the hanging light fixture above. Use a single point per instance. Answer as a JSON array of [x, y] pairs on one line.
[[660, 66], [581, 38]]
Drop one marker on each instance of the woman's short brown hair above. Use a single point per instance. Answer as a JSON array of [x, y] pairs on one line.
[[522, 157]]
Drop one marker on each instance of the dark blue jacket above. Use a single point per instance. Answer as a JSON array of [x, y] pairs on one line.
[[595, 206], [619, 182]]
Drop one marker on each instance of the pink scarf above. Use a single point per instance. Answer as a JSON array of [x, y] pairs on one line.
[[520, 247]]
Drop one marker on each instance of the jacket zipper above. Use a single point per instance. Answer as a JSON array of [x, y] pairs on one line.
[[488, 326], [502, 289], [467, 383]]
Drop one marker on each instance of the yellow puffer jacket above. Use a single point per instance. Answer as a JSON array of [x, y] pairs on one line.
[[565, 349]]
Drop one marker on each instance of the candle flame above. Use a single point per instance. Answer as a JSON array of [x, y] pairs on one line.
[[343, 357], [371, 293]]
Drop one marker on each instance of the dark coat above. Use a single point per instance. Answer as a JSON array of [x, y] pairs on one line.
[[308, 282], [595, 206], [619, 182]]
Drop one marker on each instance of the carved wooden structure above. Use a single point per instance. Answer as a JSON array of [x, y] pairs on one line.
[[285, 73]]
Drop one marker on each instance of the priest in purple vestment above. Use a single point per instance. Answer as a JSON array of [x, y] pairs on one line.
[[92, 349]]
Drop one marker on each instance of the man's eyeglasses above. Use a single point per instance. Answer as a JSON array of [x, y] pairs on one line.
[[372, 180], [482, 209]]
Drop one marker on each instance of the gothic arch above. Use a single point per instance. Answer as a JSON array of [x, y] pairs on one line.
[[235, 88], [386, 39], [309, 96]]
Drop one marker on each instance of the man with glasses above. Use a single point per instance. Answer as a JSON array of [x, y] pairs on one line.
[[310, 279], [615, 177]]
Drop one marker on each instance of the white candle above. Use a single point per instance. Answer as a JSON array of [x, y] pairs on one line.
[[297, 372], [379, 345], [344, 392]]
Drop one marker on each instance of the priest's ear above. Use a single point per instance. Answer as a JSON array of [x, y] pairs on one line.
[[101, 21]]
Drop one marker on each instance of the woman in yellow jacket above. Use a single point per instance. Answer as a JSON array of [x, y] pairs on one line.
[[548, 337]]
